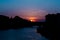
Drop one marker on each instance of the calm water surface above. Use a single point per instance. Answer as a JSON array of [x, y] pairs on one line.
[[21, 34]]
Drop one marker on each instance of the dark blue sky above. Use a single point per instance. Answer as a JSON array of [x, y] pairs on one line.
[[29, 7]]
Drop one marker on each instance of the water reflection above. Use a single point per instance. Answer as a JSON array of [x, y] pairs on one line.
[[21, 34]]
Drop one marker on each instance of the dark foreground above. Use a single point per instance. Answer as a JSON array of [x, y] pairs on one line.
[[21, 34], [49, 29]]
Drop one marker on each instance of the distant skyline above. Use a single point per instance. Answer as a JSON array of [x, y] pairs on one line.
[[29, 8]]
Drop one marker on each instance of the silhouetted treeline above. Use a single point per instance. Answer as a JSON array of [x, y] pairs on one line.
[[51, 28], [16, 22]]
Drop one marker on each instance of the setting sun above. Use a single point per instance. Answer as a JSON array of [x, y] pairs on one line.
[[32, 19]]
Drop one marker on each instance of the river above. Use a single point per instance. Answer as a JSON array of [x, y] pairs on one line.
[[21, 34]]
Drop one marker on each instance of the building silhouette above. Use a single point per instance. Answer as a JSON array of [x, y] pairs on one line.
[[51, 28]]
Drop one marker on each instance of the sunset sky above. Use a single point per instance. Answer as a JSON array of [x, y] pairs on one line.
[[29, 8]]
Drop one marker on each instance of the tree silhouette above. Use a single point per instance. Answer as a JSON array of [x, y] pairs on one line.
[[14, 23]]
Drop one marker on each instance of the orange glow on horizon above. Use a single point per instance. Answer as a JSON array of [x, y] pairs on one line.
[[32, 19]]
